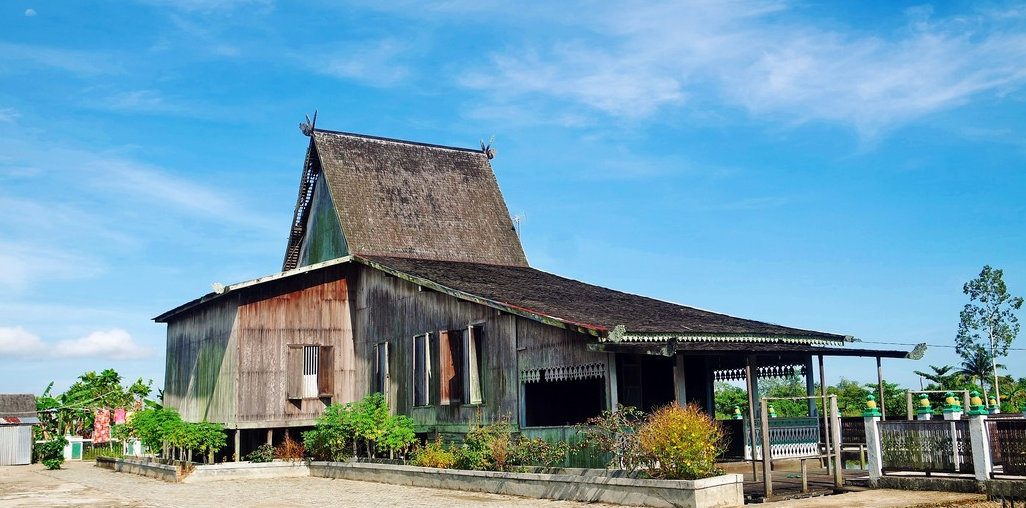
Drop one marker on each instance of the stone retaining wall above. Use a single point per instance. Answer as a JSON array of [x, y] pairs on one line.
[[719, 491]]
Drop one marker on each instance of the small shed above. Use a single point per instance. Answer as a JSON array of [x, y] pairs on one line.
[[17, 416]]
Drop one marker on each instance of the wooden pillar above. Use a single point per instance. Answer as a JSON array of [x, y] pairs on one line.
[[826, 410], [750, 373], [810, 386], [679, 385], [270, 436], [835, 432], [879, 379], [612, 397], [238, 445], [767, 454]]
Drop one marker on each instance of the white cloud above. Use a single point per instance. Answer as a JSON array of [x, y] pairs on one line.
[[115, 344], [376, 63], [18, 343], [23, 264], [30, 12], [633, 62], [85, 63], [8, 115]]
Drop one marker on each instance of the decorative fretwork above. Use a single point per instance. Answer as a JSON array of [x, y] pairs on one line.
[[764, 371], [1008, 445], [564, 373], [789, 438], [931, 446]]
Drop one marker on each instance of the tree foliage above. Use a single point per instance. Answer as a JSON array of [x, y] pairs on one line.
[[73, 412], [988, 321]]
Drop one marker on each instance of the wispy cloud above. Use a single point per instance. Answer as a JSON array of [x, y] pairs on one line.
[[377, 63], [115, 344], [634, 62], [206, 6], [8, 115], [22, 58], [22, 264]]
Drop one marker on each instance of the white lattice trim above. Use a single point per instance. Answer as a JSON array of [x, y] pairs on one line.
[[564, 373]]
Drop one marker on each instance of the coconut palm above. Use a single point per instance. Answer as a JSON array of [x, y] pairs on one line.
[[977, 366], [942, 377]]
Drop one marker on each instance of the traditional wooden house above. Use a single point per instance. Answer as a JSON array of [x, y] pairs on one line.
[[403, 275], [17, 417]]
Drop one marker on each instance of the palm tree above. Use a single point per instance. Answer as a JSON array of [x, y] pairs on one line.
[[942, 377], [977, 366]]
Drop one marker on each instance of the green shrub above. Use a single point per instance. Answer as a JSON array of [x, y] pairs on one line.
[[263, 453], [433, 454], [614, 433], [681, 442], [51, 453], [363, 428], [538, 452]]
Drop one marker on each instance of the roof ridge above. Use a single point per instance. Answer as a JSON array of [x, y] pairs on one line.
[[400, 141]]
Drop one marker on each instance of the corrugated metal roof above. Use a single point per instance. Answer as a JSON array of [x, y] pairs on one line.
[[13, 420]]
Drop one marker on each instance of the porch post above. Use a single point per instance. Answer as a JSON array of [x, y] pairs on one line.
[[678, 379], [612, 397], [750, 372], [879, 379], [810, 386], [826, 412], [238, 444], [979, 439]]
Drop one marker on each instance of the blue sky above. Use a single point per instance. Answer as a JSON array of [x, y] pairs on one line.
[[844, 167]]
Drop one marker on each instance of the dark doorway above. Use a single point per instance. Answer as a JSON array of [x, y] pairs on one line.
[[645, 381], [553, 403]]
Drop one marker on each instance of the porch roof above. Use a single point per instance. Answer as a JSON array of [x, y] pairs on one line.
[[599, 311]]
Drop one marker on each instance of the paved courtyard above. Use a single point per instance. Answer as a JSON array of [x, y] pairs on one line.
[[82, 484]]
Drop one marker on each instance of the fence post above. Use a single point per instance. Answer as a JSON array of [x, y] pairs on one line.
[[871, 417], [979, 438]]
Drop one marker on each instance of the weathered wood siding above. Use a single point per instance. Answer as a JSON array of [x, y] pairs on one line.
[[544, 347], [202, 363], [316, 313], [389, 309], [226, 359]]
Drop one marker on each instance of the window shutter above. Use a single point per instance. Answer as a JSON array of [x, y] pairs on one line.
[[326, 372], [473, 354], [294, 371]]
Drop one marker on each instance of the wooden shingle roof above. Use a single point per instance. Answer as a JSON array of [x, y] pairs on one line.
[[588, 307], [414, 200]]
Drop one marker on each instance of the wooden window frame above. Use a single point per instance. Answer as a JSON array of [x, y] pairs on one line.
[[473, 391], [296, 364], [421, 375]]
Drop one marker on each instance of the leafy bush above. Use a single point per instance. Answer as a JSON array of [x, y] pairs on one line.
[[681, 442], [614, 433], [433, 454], [263, 453], [51, 453], [539, 452], [346, 430], [290, 450], [157, 427]]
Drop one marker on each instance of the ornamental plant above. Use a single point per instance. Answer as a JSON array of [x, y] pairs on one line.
[[681, 442], [363, 428], [614, 433]]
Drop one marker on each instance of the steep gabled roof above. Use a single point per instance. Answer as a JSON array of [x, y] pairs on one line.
[[592, 309], [405, 199]]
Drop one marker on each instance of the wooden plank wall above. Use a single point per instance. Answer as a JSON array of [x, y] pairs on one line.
[[389, 309], [543, 346], [202, 362], [311, 310]]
